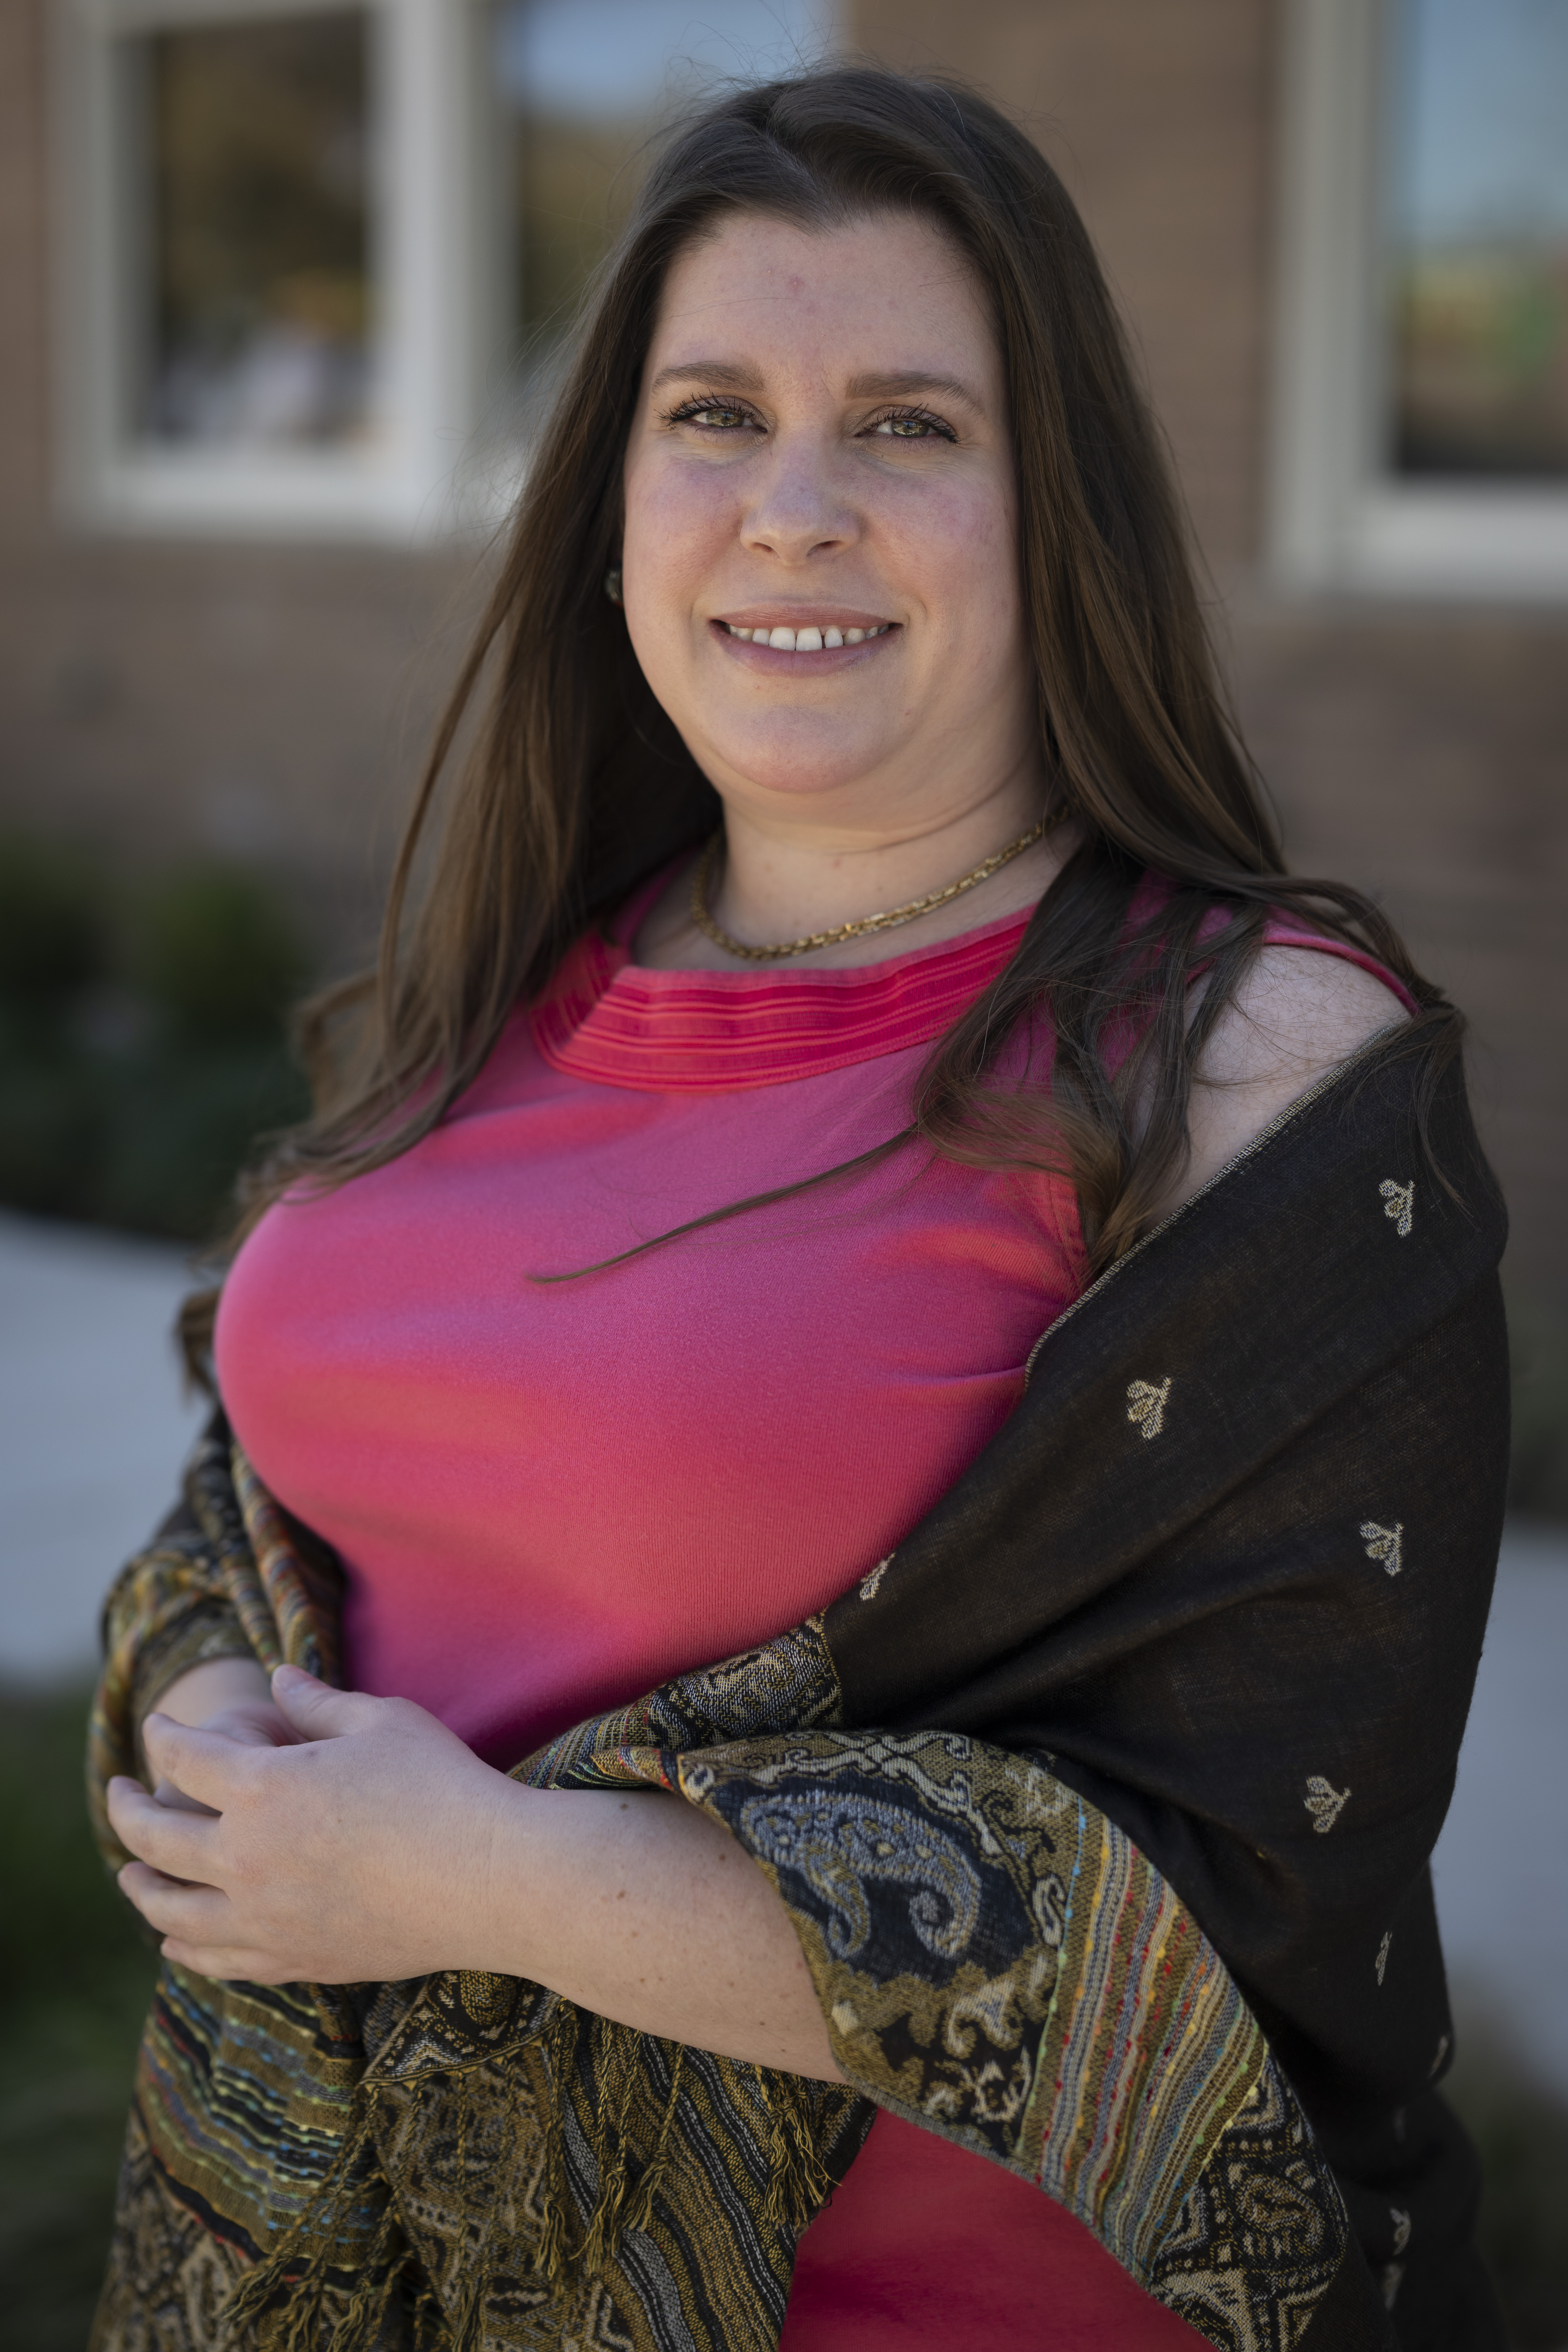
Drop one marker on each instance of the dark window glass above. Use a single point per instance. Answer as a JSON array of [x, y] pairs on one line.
[[256, 139], [583, 83], [1478, 219]]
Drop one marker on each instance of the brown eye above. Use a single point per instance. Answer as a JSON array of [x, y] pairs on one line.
[[721, 419], [913, 428]]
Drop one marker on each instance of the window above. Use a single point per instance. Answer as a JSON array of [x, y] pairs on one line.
[[264, 291], [1422, 400], [302, 242], [581, 85], [255, 140]]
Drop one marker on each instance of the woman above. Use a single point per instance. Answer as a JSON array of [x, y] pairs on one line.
[[666, 1283]]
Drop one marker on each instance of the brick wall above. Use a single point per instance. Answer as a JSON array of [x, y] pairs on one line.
[[1419, 751], [273, 700], [163, 695]]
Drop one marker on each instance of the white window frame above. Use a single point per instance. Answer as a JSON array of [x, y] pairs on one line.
[[1339, 521], [408, 483]]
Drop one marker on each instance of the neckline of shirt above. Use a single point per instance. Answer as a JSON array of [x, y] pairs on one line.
[[622, 1023]]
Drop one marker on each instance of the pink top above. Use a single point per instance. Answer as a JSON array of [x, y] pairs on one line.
[[549, 1498]]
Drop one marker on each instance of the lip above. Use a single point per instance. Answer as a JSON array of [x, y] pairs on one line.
[[771, 660]]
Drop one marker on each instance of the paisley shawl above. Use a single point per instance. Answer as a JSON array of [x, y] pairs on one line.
[[1102, 1811]]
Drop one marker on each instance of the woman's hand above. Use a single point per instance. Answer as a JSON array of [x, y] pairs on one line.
[[357, 1850], [378, 1846], [231, 1695]]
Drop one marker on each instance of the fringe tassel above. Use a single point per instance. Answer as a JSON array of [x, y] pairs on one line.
[[641, 2213], [295, 2324], [598, 2070], [799, 2185]]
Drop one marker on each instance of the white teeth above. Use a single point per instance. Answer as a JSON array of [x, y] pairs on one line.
[[807, 641]]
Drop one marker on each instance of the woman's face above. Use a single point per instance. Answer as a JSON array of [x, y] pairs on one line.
[[821, 446]]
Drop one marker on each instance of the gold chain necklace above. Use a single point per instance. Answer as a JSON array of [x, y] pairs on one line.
[[885, 922]]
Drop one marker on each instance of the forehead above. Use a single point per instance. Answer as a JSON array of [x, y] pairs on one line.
[[891, 289]]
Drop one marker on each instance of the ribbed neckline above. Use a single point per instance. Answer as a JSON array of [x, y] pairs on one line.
[[608, 1019]]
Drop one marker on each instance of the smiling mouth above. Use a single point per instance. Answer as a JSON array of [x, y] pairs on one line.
[[810, 640]]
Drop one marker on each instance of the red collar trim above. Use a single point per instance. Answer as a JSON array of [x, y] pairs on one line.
[[604, 1018]]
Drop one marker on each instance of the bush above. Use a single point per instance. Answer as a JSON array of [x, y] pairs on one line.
[[75, 1980], [143, 1043], [54, 923], [215, 953]]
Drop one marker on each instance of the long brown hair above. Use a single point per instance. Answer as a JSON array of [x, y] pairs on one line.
[[574, 784]]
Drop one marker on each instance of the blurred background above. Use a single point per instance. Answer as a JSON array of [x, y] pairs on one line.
[[281, 285]]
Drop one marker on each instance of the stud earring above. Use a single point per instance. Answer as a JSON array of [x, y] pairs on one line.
[[612, 584]]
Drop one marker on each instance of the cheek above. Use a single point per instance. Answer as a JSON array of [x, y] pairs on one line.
[[954, 548], [678, 519]]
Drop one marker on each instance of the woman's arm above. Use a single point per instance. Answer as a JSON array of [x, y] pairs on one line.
[[222, 1687], [381, 1847]]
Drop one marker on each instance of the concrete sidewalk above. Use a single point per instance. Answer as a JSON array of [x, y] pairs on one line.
[[93, 1429]]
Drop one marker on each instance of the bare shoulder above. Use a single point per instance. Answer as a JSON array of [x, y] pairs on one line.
[[1298, 1014]]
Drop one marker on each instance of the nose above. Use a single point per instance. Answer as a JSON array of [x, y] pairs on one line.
[[798, 510]]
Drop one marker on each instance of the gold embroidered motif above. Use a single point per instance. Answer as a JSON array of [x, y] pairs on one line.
[[1324, 1802], [1400, 2228], [868, 1583], [1392, 2274], [1382, 1951], [1398, 1202], [1385, 1544], [1146, 1405]]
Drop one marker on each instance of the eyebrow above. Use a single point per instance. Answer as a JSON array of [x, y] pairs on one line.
[[903, 381], [900, 384], [724, 373]]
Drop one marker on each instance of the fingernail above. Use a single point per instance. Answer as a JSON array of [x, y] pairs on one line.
[[291, 1676]]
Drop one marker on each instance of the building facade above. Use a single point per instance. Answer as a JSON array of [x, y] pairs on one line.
[[277, 281]]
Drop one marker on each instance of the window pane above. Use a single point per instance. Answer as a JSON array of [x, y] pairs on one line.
[[1479, 235], [583, 83], [257, 136]]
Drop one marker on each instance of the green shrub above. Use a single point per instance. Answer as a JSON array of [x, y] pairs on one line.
[[215, 953], [54, 922], [143, 1043], [75, 1979]]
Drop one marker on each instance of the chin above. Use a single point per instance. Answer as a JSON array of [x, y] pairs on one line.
[[798, 767]]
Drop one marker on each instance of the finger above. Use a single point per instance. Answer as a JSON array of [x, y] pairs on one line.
[[201, 1764], [165, 1793], [182, 1844], [199, 1915], [318, 1711]]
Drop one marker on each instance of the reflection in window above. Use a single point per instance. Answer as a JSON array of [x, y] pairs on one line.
[[1478, 215], [259, 232], [583, 83]]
